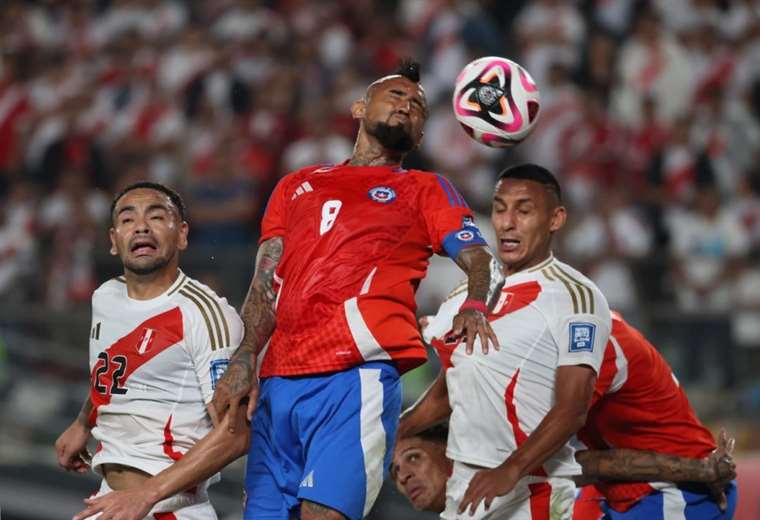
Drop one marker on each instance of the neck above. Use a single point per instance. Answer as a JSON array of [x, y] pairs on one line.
[[148, 286], [509, 270], [369, 152]]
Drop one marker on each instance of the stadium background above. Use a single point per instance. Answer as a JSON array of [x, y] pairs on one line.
[[649, 117]]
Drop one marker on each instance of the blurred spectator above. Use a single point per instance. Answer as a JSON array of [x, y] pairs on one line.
[[707, 242], [17, 243]]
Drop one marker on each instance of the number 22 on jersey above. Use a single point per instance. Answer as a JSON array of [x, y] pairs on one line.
[[330, 210]]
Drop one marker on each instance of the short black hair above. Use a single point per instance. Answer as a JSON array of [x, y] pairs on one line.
[[536, 173], [438, 433], [173, 195], [409, 69]]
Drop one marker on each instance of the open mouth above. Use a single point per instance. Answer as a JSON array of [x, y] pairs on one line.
[[415, 492], [143, 247], [509, 244]]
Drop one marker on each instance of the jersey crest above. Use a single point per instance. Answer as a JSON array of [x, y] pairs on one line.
[[382, 194]]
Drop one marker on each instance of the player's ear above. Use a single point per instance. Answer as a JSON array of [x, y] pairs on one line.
[[358, 109], [112, 237], [184, 229], [559, 217]]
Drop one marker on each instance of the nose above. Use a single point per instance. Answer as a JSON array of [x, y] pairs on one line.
[[405, 106], [403, 474], [507, 220], [141, 225]]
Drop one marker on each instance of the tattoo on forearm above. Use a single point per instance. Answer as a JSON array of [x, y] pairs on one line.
[[258, 314], [318, 510], [623, 464], [484, 276], [84, 413]]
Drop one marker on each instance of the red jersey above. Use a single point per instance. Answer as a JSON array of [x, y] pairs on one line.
[[357, 240], [638, 404]]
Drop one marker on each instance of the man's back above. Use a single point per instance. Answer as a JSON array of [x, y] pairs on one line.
[[639, 404]]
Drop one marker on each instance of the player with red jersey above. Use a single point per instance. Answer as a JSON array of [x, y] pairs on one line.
[[159, 343], [638, 404], [342, 250]]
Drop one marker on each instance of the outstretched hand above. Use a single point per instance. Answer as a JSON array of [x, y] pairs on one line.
[[722, 462], [238, 385], [473, 323]]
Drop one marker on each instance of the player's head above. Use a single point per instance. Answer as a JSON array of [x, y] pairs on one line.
[[148, 228], [527, 209], [420, 469], [393, 111]]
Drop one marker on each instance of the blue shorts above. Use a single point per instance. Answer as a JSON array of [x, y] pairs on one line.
[[326, 438], [677, 504]]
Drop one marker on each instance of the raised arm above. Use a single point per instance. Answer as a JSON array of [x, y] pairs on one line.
[[430, 409], [484, 281], [258, 314]]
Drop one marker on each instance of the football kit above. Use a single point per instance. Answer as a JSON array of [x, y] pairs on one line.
[[638, 404], [546, 317], [153, 368], [356, 244]]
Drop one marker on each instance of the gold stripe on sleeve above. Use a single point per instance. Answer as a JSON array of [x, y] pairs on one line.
[[207, 301], [588, 289], [201, 308], [219, 310], [179, 285], [569, 288]]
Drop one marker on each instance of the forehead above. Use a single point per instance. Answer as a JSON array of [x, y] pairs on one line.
[[397, 83], [408, 443], [143, 197], [519, 189]]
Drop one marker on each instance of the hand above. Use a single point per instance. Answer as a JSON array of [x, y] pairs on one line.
[[722, 464], [423, 322], [475, 324], [237, 384], [71, 448], [129, 504], [487, 485]]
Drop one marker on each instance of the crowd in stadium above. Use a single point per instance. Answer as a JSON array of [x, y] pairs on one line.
[[649, 116]]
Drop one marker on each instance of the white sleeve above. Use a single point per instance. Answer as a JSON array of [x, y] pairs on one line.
[[211, 355], [440, 324], [582, 337]]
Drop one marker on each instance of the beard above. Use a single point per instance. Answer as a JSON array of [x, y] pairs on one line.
[[148, 267], [396, 137]]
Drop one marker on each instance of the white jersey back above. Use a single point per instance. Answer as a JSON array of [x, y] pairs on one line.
[[153, 368], [546, 317]]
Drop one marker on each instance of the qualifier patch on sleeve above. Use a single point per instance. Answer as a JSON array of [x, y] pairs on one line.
[[218, 368], [582, 337]]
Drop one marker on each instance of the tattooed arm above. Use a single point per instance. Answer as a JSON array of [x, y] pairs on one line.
[[71, 446], [239, 381], [484, 281]]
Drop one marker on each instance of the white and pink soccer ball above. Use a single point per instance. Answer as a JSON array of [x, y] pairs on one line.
[[496, 101]]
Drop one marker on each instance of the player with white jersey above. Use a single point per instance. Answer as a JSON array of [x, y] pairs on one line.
[[513, 411], [159, 342]]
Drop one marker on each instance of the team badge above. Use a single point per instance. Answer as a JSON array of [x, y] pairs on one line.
[[217, 369], [146, 341], [582, 337], [466, 235], [382, 194]]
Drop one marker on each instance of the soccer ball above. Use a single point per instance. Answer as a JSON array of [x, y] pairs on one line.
[[496, 101]]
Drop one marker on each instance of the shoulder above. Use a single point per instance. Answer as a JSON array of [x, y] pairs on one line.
[[301, 174], [571, 290], [110, 289], [206, 311]]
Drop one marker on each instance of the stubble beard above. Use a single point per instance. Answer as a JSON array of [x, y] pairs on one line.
[[392, 137]]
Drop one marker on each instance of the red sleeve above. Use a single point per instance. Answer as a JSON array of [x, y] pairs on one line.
[[445, 212], [274, 222]]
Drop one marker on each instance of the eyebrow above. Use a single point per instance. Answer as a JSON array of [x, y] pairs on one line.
[[150, 208]]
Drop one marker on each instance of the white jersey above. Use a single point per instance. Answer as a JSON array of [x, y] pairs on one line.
[[546, 317], [153, 368]]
